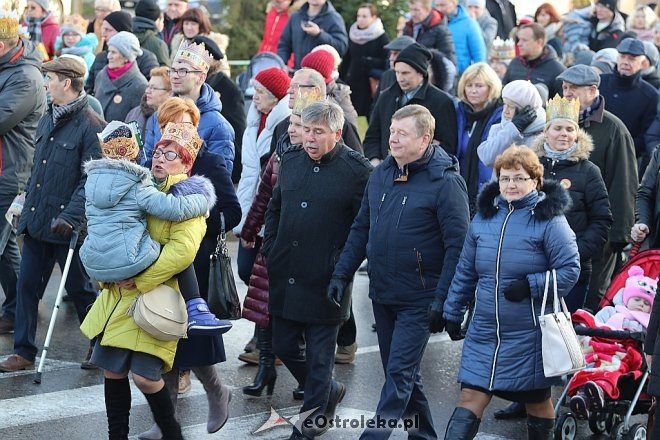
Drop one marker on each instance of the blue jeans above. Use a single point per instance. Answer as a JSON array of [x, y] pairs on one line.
[[403, 332], [36, 267], [10, 264]]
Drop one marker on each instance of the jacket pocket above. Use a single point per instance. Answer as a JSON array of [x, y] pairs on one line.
[[63, 152]]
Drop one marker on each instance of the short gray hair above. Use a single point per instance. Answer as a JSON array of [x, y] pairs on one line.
[[424, 120], [315, 79], [324, 112]]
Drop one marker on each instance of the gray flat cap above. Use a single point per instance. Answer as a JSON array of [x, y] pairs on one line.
[[400, 43], [631, 46], [580, 75]]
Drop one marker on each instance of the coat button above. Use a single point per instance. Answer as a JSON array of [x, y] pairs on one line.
[[52, 139], [295, 244], [317, 169], [292, 281], [303, 205], [61, 206], [38, 185], [43, 161], [32, 209]]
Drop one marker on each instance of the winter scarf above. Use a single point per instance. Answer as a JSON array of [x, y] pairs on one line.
[[34, 27], [587, 112], [559, 155], [60, 111], [476, 123], [113, 74], [363, 36], [141, 24], [80, 51]]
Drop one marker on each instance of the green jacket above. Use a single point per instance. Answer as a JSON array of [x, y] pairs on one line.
[[149, 40], [180, 242]]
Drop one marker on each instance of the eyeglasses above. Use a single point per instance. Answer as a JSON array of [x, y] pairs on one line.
[[182, 72], [102, 10], [169, 155], [517, 180], [150, 87]]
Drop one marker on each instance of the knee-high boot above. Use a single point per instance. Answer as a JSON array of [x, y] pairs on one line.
[[539, 428], [163, 412], [171, 379], [266, 373], [118, 407], [463, 425], [217, 395]]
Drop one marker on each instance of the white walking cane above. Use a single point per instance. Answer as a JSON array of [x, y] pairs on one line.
[[58, 301]]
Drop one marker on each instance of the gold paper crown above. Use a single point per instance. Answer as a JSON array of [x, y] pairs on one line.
[[8, 25], [194, 54], [563, 108], [503, 49], [305, 98], [184, 134], [119, 146]]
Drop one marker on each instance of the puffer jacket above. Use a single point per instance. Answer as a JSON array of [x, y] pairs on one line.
[[109, 313], [608, 37], [504, 134], [589, 215], [118, 97], [411, 232], [56, 188], [213, 129], [468, 39], [119, 194], [506, 242], [434, 34], [255, 149], [22, 103], [543, 69]]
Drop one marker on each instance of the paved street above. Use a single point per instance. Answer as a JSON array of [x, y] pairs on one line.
[[68, 405]]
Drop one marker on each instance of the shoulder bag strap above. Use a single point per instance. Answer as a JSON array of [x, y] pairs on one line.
[[545, 292]]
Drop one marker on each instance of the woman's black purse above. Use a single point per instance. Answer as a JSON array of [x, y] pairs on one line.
[[223, 297]]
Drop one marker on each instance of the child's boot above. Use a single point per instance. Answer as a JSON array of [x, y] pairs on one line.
[[202, 322]]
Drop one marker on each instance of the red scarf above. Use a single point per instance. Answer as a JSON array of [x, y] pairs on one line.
[[262, 123], [113, 74]]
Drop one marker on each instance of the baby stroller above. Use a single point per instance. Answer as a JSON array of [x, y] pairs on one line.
[[259, 62], [614, 418]]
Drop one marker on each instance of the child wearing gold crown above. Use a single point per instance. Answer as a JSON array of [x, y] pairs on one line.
[[119, 195]]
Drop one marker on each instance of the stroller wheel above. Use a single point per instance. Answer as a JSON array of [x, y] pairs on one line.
[[636, 432], [566, 427], [598, 422]]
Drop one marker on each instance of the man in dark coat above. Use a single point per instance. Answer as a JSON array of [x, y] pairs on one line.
[[413, 220], [307, 223], [314, 24], [22, 102], [55, 204], [628, 96], [429, 28], [412, 87], [505, 13], [614, 154], [537, 62], [145, 28]]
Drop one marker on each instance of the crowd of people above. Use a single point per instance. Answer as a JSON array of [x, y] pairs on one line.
[[458, 164]]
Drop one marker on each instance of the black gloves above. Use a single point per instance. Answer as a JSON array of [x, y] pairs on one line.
[[524, 117], [517, 291], [436, 321], [454, 330], [61, 227], [336, 289]]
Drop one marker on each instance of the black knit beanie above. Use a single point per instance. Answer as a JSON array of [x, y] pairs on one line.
[[120, 21], [148, 9], [416, 56], [612, 5]]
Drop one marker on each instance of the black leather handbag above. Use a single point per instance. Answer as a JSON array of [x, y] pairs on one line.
[[223, 297]]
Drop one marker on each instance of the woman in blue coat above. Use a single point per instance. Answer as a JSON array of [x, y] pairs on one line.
[[478, 108], [518, 234]]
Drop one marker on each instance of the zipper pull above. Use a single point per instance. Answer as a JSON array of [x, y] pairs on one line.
[[403, 203], [382, 199]]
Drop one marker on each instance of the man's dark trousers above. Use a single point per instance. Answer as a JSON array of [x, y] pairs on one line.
[[403, 332], [35, 267], [308, 351], [10, 263]]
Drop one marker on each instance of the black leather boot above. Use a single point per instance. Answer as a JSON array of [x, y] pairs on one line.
[[514, 410], [163, 412], [540, 429], [463, 425], [266, 373], [118, 407]]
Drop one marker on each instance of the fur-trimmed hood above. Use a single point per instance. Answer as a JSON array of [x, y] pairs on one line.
[[105, 164], [551, 201], [583, 151]]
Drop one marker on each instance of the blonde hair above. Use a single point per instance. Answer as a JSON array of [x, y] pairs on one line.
[[485, 73], [650, 17], [173, 107]]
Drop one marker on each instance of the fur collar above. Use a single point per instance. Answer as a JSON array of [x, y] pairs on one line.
[[127, 166], [195, 185], [584, 149], [552, 201]]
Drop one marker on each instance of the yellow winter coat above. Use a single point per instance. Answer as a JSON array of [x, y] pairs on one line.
[[180, 242]]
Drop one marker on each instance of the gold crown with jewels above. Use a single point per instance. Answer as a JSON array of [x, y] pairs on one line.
[[563, 108], [195, 54], [503, 49], [9, 25], [305, 98], [184, 134]]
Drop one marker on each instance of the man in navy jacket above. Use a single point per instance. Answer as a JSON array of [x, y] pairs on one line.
[[413, 220]]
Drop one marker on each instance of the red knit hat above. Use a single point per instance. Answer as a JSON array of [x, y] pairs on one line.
[[275, 80], [322, 61]]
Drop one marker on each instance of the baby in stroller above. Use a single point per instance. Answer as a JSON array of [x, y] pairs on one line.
[[612, 364]]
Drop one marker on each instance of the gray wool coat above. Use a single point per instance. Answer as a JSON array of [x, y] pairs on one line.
[[118, 97]]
